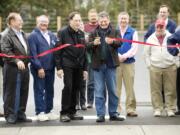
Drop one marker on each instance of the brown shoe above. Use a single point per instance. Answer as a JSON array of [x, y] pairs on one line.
[[1, 115], [132, 114]]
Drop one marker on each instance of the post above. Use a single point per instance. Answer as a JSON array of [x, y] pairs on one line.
[[141, 22], [0, 23], [178, 18], [58, 22]]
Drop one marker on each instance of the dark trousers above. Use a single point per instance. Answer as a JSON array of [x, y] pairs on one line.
[[15, 90], [43, 91], [178, 88], [90, 85], [81, 96], [73, 78]]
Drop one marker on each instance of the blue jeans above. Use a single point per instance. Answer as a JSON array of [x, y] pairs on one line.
[[43, 91], [105, 77]]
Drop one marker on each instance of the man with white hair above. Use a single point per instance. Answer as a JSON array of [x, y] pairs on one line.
[[43, 68]]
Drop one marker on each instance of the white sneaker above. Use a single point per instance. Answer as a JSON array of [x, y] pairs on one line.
[[170, 113], [52, 116], [42, 117], [157, 113]]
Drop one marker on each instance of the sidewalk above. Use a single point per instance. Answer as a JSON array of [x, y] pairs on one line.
[[94, 130]]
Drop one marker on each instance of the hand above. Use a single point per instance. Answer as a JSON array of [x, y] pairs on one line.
[[178, 54], [109, 40], [60, 73], [85, 75], [20, 65], [41, 73], [86, 37], [122, 59], [97, 41]]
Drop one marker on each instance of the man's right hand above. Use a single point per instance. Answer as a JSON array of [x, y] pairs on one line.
[[20, 65], [60, 73]]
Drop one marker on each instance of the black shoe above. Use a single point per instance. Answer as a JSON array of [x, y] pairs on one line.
[[177, 113], [11, 119], [83, 107], [89, 106], [22, 117], [75, 117], [116, 118], [100, 119], [1, 114], [65, 118], [24, 120]]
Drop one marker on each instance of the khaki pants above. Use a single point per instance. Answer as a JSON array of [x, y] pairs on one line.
[[167, 78], [125, 73]]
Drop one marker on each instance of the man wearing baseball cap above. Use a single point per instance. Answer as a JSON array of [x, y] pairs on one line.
[[162, 71]]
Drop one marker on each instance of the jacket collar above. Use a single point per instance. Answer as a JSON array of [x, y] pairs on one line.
[[14, 36], [99, 29], [39, 31], [12, 32], [128, 29], [72, 30]]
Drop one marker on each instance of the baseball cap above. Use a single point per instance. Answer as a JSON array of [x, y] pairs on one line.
[[160, 22]]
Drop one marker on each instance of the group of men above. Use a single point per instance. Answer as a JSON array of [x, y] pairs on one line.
[[91, 54], [162, 65]]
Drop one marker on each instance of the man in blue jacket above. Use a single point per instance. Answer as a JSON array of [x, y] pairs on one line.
[[170, 24], [172, 40], [43, 69]]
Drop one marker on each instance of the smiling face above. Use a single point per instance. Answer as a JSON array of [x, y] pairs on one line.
[[123, 20], [103, 22], [163, 12]]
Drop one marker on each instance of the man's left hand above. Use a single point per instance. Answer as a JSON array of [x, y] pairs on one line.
[[109, 40]]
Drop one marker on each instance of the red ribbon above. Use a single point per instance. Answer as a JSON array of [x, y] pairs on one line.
[[41, 54], [80, 46], [143, 43]]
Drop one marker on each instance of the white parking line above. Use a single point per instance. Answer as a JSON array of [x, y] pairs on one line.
[[86, 117]]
